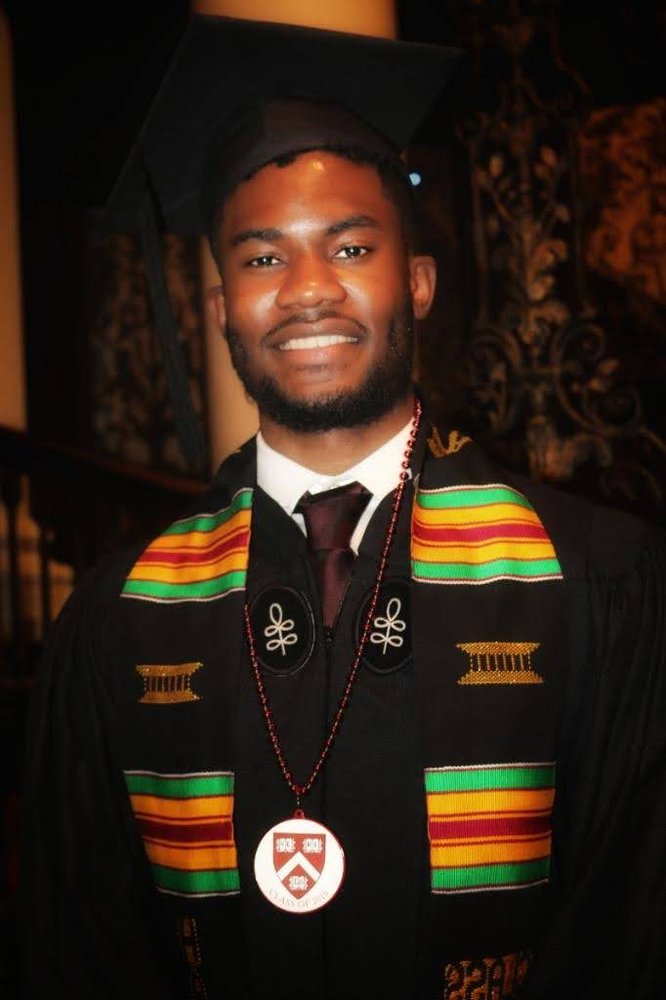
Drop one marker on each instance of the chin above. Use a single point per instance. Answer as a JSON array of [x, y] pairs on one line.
[[338, 408]]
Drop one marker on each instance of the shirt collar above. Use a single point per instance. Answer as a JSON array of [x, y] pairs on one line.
[[286, 481]]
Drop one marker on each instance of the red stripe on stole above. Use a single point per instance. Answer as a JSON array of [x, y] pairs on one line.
[[196, 556], [480, 533], [498, 826], [214, 831]]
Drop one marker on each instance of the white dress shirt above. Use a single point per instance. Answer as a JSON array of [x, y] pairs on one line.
[[286, 481]]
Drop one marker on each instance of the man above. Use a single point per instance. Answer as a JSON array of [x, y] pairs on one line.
[[257, 770]]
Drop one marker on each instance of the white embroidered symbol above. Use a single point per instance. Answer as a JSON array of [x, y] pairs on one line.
[[391, 625], [282, 629]]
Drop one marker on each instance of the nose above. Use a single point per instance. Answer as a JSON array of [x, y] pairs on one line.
[[309, 280]]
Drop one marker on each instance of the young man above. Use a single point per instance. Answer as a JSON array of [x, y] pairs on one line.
[[375, 718]]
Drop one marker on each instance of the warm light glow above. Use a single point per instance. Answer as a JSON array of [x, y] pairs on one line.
[[12, 378], [365, 17], [232, 416]]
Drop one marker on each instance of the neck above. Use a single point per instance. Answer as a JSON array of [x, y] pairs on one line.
[[335, 451]]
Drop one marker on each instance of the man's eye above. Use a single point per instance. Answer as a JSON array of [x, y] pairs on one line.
[[265, 260], [349, 252]]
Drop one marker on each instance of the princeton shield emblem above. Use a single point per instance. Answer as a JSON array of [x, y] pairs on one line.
[[299, 860], [299, 865]]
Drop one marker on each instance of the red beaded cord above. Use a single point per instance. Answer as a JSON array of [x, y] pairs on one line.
[[301, 790]]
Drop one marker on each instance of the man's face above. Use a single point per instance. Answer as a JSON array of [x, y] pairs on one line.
[[318, 293]]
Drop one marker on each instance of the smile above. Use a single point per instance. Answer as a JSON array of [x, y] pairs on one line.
[[310, 343]]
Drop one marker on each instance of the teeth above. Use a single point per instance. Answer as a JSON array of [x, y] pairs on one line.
[[309, 343]]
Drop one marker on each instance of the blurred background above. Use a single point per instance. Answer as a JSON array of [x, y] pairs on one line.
[[543, 196]]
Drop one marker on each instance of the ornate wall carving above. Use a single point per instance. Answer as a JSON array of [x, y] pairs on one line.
[[565, 266]]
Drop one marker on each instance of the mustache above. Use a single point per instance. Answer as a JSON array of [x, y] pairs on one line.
[[311, 318]]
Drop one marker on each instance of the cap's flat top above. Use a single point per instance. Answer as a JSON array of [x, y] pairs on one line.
[[223, 63]]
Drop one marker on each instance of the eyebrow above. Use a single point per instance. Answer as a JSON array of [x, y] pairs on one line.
[[353, 222], [275, 235], [267, 235]]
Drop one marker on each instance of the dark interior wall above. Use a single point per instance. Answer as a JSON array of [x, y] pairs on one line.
[[617, 47], [82, 81]]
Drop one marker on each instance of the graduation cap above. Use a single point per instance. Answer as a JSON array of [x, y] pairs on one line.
[[238, 94]]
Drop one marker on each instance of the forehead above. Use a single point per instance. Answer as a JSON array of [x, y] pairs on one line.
[[320, 186]]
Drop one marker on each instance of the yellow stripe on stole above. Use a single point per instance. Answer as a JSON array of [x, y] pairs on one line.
[[153, 807], [481, 552], [491, 839], [488, 854], [502, 801], [193, 859], [504, 513], [182, 573], [202, 540], [190, 845]]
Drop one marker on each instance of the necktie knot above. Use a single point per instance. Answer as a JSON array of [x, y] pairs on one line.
[[330, 518]]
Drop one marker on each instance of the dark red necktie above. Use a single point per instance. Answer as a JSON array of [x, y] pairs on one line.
[[330, 519]]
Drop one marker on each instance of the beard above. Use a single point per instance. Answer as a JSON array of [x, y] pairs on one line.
[[387, 383]]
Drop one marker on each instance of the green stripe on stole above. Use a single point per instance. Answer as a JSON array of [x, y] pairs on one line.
[[186, 786], [472, 779], [470, 496]]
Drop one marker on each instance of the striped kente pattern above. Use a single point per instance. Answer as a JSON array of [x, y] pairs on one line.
[[186, 824], [489, 826], [200, 558], [479, 534]]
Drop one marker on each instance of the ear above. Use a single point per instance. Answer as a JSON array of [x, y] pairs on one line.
[[216, 306], [422, 283]]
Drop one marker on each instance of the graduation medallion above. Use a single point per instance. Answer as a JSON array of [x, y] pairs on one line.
[[299, 865]]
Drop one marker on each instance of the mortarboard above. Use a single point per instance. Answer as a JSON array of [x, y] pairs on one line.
[[222, 92]]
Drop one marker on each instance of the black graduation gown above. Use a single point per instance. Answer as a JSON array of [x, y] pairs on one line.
[[434, 757]]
